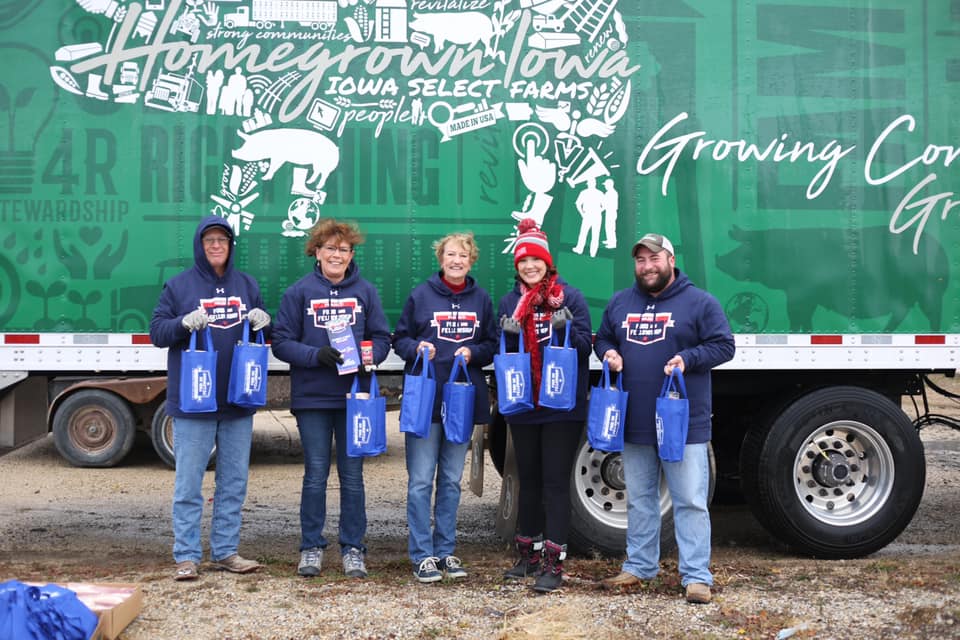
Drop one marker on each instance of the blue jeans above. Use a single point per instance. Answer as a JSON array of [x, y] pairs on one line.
[[193, 440], [689, 484], [429, 458], [317, 429]]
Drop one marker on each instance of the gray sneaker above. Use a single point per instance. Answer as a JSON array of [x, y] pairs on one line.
[[310, 561], [353, 565]]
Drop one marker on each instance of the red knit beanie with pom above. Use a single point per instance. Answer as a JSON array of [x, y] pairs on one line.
[[531, 242]]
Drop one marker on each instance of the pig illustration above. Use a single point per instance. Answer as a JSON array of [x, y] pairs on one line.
[[296, 146], [867, 273], [469, 28]]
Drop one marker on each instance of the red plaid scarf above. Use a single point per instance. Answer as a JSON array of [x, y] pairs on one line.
[[546, 293]]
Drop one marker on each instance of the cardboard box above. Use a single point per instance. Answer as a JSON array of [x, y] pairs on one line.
[[116, 604]]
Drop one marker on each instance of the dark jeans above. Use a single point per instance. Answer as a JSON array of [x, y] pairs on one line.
[[545, 454], [318, 428]]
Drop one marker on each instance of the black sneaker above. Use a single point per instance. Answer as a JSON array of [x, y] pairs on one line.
[[428, 572], [453, 568]]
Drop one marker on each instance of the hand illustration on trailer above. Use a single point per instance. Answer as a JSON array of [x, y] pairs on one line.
[[539, 176]]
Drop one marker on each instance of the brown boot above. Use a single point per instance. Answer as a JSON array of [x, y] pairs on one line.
[[698, 593]]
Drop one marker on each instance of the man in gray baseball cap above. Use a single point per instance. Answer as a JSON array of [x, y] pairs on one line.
[[661, 324], [655, 242]]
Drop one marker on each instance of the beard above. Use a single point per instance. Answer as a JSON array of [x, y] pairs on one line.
[[659, 284]]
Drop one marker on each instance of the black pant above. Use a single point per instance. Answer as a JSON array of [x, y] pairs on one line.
[[545, 454]]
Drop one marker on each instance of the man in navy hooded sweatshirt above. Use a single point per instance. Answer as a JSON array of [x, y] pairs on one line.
[[210, 294], [661, 323]]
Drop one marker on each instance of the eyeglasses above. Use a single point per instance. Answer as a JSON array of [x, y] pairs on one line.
[[329, 248], [210, 241]]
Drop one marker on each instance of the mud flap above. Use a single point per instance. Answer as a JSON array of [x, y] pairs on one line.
[[509, 493], [477, 445]]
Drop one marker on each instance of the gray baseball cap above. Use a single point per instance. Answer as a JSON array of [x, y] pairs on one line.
[[655, 242]]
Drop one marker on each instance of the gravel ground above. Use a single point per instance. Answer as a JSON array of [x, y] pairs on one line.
[[60, 523]]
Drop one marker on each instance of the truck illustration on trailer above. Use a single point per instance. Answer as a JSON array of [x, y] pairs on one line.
[[266, 14], [802, 159]]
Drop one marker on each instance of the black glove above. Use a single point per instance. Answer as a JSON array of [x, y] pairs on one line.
[[509, 325], [329, 357], [560, 317]]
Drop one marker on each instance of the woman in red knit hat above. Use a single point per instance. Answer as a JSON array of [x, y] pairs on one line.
[[545, 440]]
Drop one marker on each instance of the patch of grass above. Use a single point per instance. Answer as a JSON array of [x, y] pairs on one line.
[[882, 566]]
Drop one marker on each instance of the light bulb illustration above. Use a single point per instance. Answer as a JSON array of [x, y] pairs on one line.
[[27, 102]]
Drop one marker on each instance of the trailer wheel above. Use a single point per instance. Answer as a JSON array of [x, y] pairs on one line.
[[161, 434], [94, 428], [598, 503], [838, 474]]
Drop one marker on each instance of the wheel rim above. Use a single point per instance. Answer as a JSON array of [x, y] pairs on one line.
[[844, 473], [92, 429], [600, 486]]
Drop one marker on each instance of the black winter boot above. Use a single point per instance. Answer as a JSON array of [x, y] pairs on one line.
[[551, 575], [528, 564]]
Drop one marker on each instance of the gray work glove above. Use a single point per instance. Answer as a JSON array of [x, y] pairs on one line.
[[258, 319], [560, 317], [329, 357], [195, 320], [509, 325]]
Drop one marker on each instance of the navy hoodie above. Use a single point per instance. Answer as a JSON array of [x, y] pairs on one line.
[[301, 329], [647, 331], [580, 339], [435, 314], [226, 299]]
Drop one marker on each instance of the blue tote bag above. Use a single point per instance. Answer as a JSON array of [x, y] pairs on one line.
[[247, 386], [607, 413], [514, 384], [198, 376], [558, 383], [29, 612], [673, 417], [457, 406], [366, 420], [419, 393]]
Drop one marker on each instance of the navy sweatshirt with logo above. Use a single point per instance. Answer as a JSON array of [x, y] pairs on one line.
[[226, 299], [647, 331], [435, 314], [301, 329]]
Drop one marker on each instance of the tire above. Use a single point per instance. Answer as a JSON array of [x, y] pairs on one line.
[[161, 435], [94, 428], [838, 474], [598, 503]]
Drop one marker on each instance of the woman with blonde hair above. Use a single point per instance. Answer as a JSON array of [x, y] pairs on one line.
[[447, 316]]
